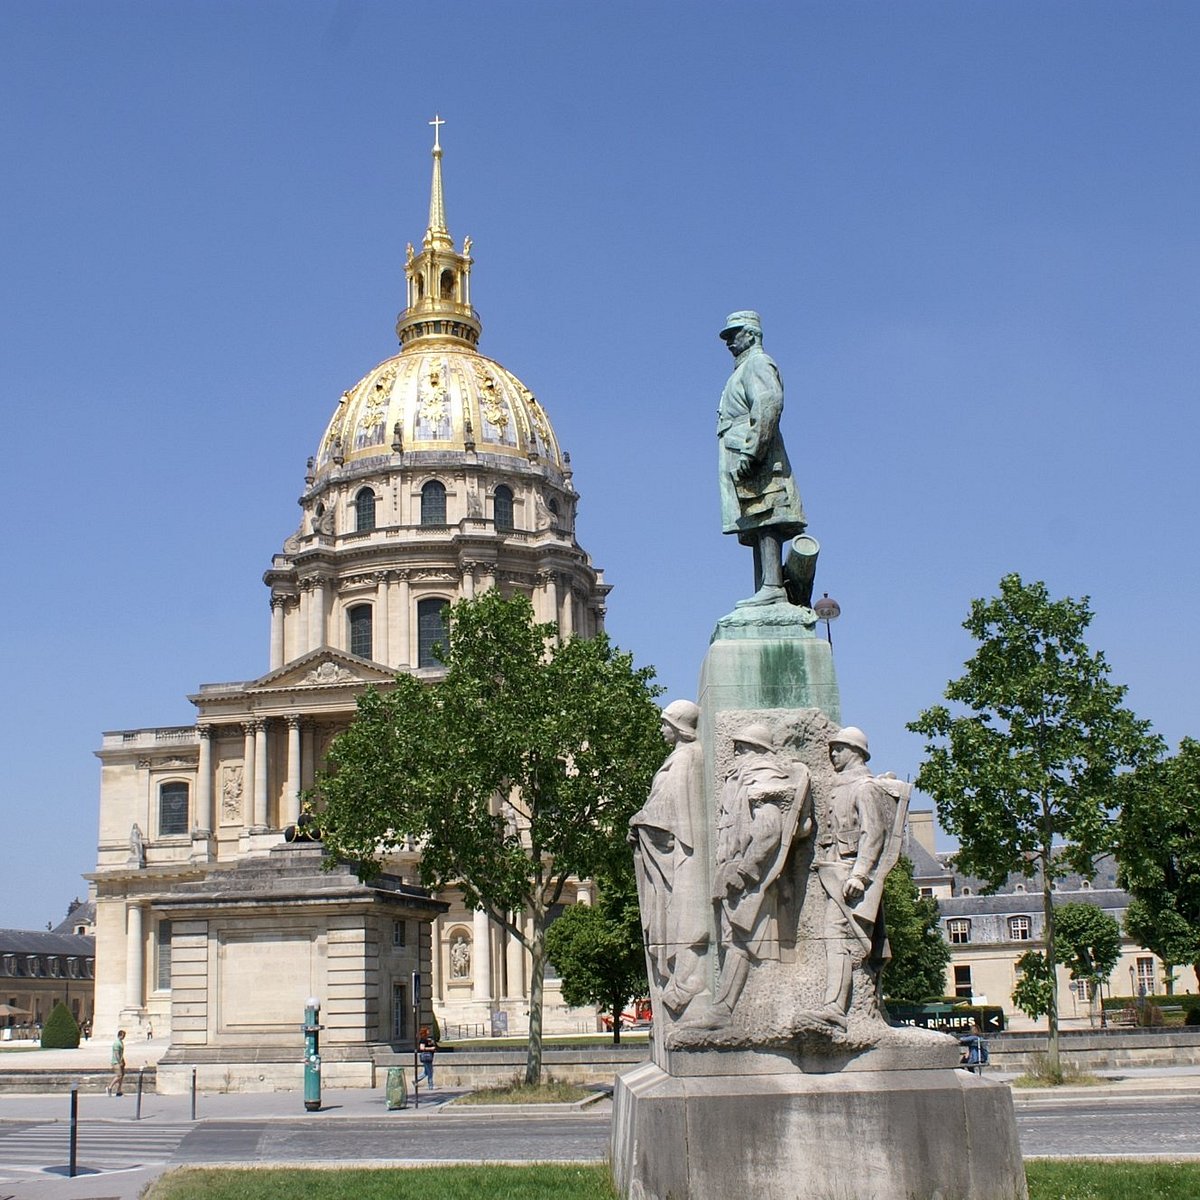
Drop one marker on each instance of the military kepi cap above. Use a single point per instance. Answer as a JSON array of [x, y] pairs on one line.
[[745, 319]]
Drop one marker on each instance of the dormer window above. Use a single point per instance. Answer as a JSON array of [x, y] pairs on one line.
[[364, 511], [433, 503], [503, 509]]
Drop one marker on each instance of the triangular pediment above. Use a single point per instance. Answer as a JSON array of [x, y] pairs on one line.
[[323, 668]]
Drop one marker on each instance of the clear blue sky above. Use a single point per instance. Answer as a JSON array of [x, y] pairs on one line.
[[972, 229]]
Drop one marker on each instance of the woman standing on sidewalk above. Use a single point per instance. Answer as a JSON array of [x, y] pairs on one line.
[[426, 1048], [118, 1065]]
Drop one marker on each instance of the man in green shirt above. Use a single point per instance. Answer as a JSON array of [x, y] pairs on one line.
[[118, 1065]]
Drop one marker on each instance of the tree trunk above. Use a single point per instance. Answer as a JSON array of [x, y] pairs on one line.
[[1169, 978], [1053, 1064], [537, 976], [617, 1005]]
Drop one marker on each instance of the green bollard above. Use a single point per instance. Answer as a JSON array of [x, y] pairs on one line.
[[312, 1054]]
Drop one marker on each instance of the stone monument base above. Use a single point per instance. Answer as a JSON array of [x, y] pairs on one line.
[[936, 1134]]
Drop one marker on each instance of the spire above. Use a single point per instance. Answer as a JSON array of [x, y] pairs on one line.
[[437, 234], [439, 277]]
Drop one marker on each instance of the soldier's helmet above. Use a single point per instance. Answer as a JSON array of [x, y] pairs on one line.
[[744, 319], [755, 735], [682, 716], [851, 735]]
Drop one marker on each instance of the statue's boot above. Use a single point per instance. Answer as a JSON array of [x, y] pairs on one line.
[[767, 594], [838, 974]]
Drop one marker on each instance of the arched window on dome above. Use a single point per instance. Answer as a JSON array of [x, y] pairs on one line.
[[552, 505], [447, 284], [364, 511], [431, 631], [361, 628], [173, 809], [503, 509], [433, 503]]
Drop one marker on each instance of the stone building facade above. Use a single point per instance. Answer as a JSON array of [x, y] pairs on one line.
[[987, 934], [439, 475]]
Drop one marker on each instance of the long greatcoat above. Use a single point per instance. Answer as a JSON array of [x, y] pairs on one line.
[[748, 426]]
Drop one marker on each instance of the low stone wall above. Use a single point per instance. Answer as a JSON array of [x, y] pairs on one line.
[[1100, 1050], [89, 1080], [489, 1068]]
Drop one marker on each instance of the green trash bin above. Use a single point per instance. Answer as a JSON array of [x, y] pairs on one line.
[[397, 1088]]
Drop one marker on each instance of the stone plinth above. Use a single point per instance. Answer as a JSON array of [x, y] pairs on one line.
[[937, 1134]]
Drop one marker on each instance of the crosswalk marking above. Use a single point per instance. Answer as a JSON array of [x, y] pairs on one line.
[[102, 1147]]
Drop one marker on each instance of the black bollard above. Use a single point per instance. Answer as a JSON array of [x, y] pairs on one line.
[[137, 1111], [193, 1093], [74, 1129]]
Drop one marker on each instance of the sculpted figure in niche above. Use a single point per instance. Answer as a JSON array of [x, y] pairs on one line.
[[137, 846], [765, 807], [759, 500], [670, 877], [854, 855], [460, 958]]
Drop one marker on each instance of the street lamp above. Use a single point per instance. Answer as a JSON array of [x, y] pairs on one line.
[[827, 610]]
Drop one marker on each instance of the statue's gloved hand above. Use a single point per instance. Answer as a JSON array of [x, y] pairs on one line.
[[745, 467], [854, 889]]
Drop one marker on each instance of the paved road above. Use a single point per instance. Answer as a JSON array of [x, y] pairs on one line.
[[1131, 1127], [430, 1139], [1166, 1125]]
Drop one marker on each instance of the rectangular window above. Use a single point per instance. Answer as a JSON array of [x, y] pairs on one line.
[[172, 809], [1018, 929], [163, 976], [962, 983], [1145, 976], [958, 930], [399, 1012], [926, 892], [399, 933]]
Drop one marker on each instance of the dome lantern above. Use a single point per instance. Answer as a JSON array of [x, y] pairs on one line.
[[439, 277]]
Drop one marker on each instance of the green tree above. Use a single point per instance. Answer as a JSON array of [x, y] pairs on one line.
[[1089, 942], [1158, 853], [1033, 995], [597, 950], [1025, 775], [61, 1030], [516, 772], [920, 955]]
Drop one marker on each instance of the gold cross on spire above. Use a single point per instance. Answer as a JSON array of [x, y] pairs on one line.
[[437, 124]]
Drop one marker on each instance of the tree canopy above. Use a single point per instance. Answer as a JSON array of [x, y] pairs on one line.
[[598, 952], [1159, 855], [917, 969], [1089, 940], [1024, 775], [516, 772]]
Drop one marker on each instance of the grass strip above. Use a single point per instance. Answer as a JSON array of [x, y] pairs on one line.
[[535, 1182], [548, 1092], [1115, 1179]]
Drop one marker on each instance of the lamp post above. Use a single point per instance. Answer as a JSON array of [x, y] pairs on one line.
[[827, 610]]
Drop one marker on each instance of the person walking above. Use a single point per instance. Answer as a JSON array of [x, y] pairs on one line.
[[118, 1065], [426, 1048]]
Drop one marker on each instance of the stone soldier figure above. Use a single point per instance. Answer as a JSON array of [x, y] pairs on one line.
[[672, 891], [855, 852], [759, 500], [766, 806]]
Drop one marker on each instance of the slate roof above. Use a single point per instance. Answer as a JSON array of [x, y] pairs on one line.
[[45, 941]]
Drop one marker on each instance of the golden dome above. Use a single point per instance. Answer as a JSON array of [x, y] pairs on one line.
[[439, 395], [443, 397]]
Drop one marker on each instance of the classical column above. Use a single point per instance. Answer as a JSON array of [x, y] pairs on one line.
[[321, 612], [545, 603], [515, 956], [276, 632], [260, 775], [404, 651], [303, 618], [291, 795], [467, 586], [308, 771], [249, 774], [566, 605], [135, 956], [488, 582], [481, 956], [203, 823], [381, 644]]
